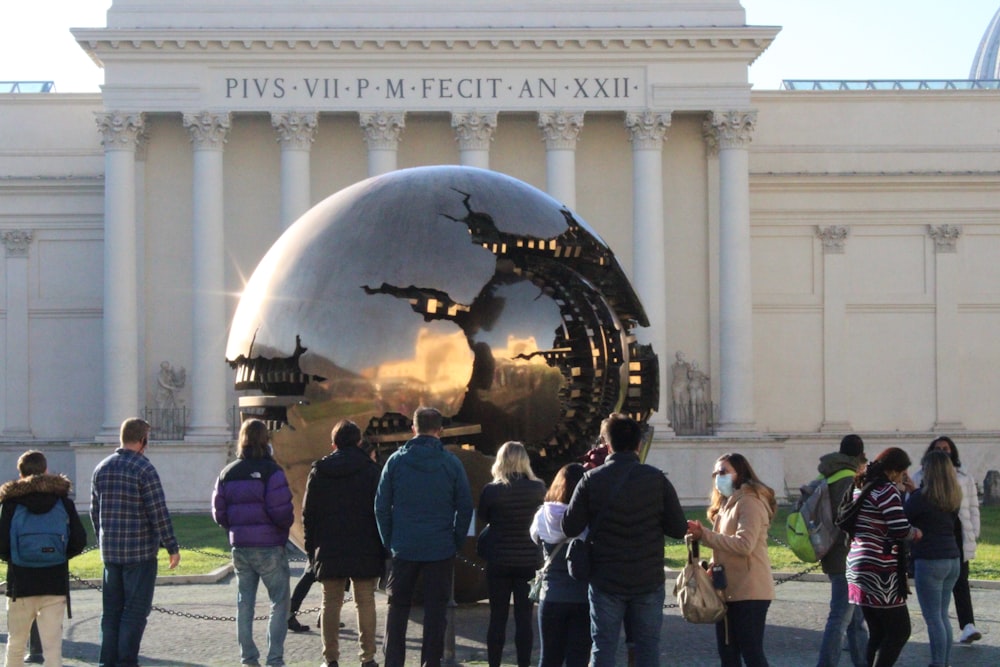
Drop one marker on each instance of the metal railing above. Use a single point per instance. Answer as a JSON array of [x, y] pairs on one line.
[[166, 423], [693, 418]]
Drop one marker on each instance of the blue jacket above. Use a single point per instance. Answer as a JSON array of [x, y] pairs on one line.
[[423, 504], [253, 502]]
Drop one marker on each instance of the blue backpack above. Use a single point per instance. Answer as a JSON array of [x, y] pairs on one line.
[[39, 540]]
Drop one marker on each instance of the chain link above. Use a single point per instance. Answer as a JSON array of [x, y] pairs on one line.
[[348, 597], [202, 617]]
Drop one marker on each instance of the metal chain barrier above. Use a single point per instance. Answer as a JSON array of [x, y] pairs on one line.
[[202, 617]]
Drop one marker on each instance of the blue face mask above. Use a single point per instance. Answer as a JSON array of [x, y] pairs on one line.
[[724, 484]]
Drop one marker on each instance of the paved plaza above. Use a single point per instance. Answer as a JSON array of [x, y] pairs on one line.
[[795, 625]]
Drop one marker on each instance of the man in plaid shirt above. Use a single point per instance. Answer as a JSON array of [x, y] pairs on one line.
[[131, 521]]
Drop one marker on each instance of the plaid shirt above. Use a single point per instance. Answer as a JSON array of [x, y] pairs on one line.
[[129, 510]]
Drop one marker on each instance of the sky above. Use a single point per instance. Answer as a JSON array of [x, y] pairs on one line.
[[820, 39]]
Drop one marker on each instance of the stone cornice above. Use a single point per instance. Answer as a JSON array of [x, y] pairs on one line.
[[676, 41]]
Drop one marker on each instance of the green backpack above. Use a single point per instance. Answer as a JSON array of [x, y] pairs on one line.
[[810, 529]]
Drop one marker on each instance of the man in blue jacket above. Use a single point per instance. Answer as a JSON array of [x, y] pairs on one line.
[[253, 502], [423, 507]]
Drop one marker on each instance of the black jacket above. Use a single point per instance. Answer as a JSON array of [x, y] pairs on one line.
[[38, 493], [627, 553], [509, 510], [338, 515]]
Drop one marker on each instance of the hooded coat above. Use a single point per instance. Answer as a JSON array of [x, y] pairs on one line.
[[38, 494], [423, 505], [835, 560], [338, 515]]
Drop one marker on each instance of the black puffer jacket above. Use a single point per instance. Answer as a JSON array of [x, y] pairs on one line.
[[627, 554], [338, 515], [509, 510], [39, 493]]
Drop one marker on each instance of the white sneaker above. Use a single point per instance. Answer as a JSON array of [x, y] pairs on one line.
[[969, 634]]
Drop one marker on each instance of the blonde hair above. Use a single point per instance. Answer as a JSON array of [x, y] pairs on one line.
[[512, 459], [940, 483]]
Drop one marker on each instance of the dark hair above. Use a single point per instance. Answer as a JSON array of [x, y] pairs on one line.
[[253, 440], [32, 462], [892, 459], [565, 483], [952, 453], [134, 430], [624, 433], [745, 476], [345, 434], [427, 420]]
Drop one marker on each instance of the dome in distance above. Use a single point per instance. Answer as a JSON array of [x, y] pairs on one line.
[[985, 64]]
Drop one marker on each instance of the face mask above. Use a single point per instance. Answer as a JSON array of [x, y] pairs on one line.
[[724, 484]]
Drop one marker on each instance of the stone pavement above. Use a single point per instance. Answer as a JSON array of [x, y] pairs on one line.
[[795, 625]]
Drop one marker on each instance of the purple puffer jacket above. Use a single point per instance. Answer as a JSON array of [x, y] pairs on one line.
[[253, 502]]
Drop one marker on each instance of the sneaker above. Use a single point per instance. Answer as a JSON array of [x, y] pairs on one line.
[[34, 659], [330, 664], [295, 626], [969, 634]]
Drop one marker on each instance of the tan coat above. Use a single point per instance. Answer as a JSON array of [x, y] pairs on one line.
[[739, 543]]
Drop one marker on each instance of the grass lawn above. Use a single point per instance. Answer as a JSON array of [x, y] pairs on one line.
[[204, 547]]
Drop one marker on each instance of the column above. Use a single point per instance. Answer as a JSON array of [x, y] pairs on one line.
[[560, 130], [474, 132], [209, 373], [120, 134], [296, 132], [947, 331], [649, 275], [17, 380], [382, 132], [729, 133], [836, 383]]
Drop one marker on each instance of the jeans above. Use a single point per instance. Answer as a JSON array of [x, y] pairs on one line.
[[270, 565], [740, 636], [935, 578], [502, 582], [44, 610], [888, 631], [437, 591], [645, 616], [564, 634], [364, 604], [127, 597], [843, 617]]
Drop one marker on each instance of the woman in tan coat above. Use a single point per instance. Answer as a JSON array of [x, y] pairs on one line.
[[741, 511]]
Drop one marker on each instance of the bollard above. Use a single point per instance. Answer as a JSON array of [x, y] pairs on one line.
[[991, 488], [448, 659]]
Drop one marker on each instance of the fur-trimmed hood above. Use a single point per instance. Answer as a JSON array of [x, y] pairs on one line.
[[38, 492]]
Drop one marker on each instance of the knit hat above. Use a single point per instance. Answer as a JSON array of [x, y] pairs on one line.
[[852, 445]]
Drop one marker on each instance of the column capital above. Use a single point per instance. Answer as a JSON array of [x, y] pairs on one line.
[[296, 130], [729, 129], [17, 241], [119, 131], [945, 237], [833, 238], [208, 130], [560, 129], [473, 130], [382, 128], [647, 129]]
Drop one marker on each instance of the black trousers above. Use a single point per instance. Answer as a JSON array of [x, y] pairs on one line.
[[746, 621], [437, 591], [963, 597], [504, 582], [888, 631]]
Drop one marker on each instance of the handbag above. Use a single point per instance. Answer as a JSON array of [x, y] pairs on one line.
[[535, 585], [698, 599], [578, 553]]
